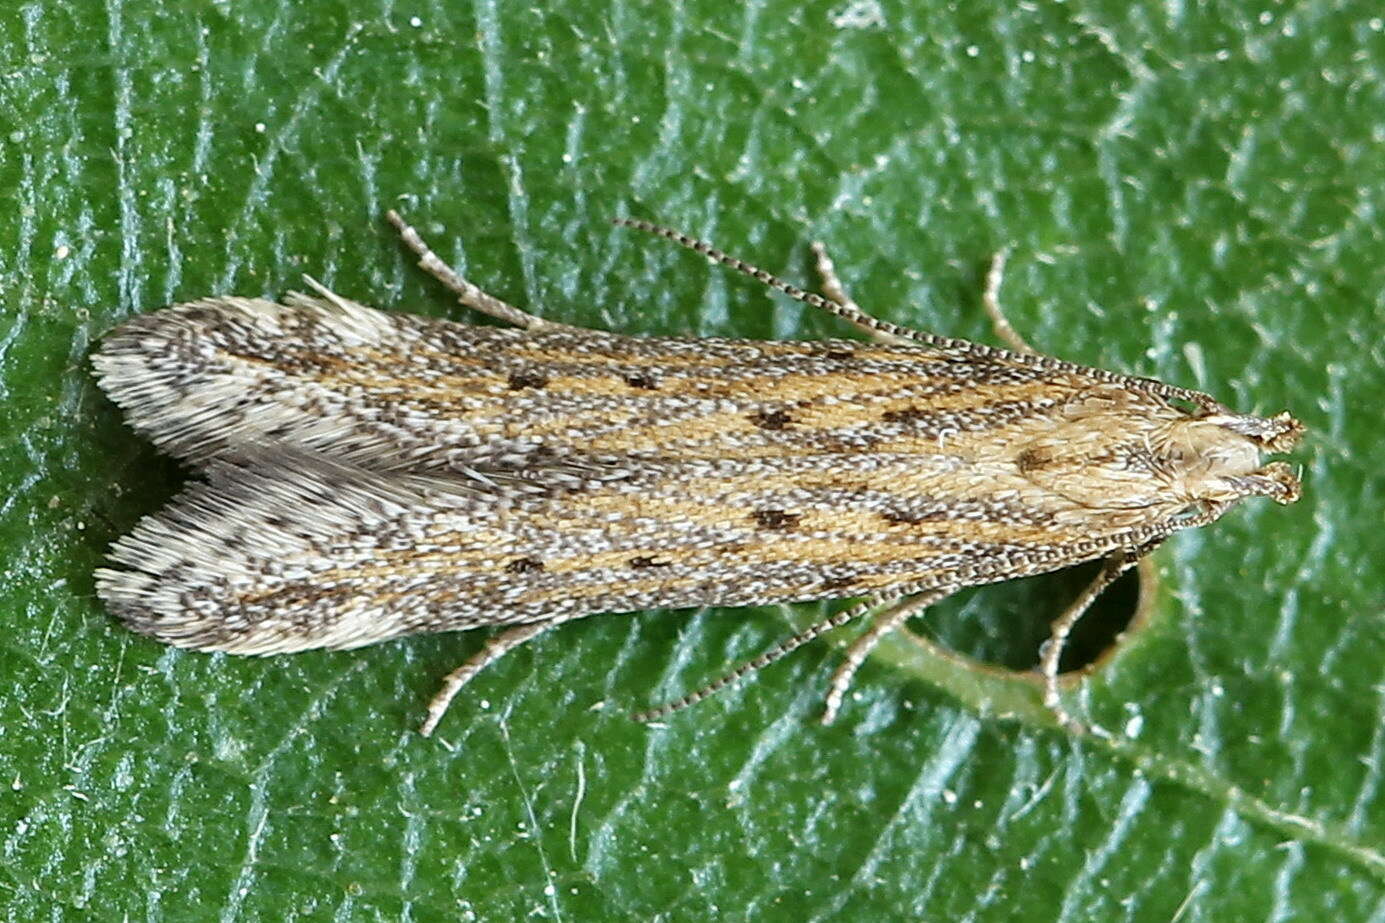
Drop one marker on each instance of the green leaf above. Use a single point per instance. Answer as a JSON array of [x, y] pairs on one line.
[[1188, 191]]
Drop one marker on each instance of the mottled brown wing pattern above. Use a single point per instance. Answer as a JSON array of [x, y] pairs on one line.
[[397, 391], [371, 475], [286, 550], [377, 474]]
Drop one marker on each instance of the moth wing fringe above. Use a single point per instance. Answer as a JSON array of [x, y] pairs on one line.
[[250, 525], [171, 374]]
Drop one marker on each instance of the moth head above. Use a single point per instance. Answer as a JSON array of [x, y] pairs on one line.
[[1128, 450], [1217, 457]]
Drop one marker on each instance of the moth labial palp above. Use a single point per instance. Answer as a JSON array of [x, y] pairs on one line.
[[369, 475]]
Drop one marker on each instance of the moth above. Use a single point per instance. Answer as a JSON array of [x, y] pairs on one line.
[[368, 475]]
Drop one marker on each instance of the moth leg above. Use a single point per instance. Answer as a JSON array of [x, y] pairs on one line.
[[497, 646], [1060, 630], [990, 300], [885, 622], [853, 313], [467, 292]]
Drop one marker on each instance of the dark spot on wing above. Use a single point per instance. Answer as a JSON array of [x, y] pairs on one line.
[[521, 380], [775, 519], [775, 419]]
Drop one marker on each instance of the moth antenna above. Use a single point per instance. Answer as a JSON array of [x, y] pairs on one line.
[[845, 311], [779, 651], [1020, 352]]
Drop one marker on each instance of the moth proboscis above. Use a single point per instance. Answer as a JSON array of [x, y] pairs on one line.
[[368, 475]]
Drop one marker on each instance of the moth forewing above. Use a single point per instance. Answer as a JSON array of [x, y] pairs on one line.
[[371, 475]]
